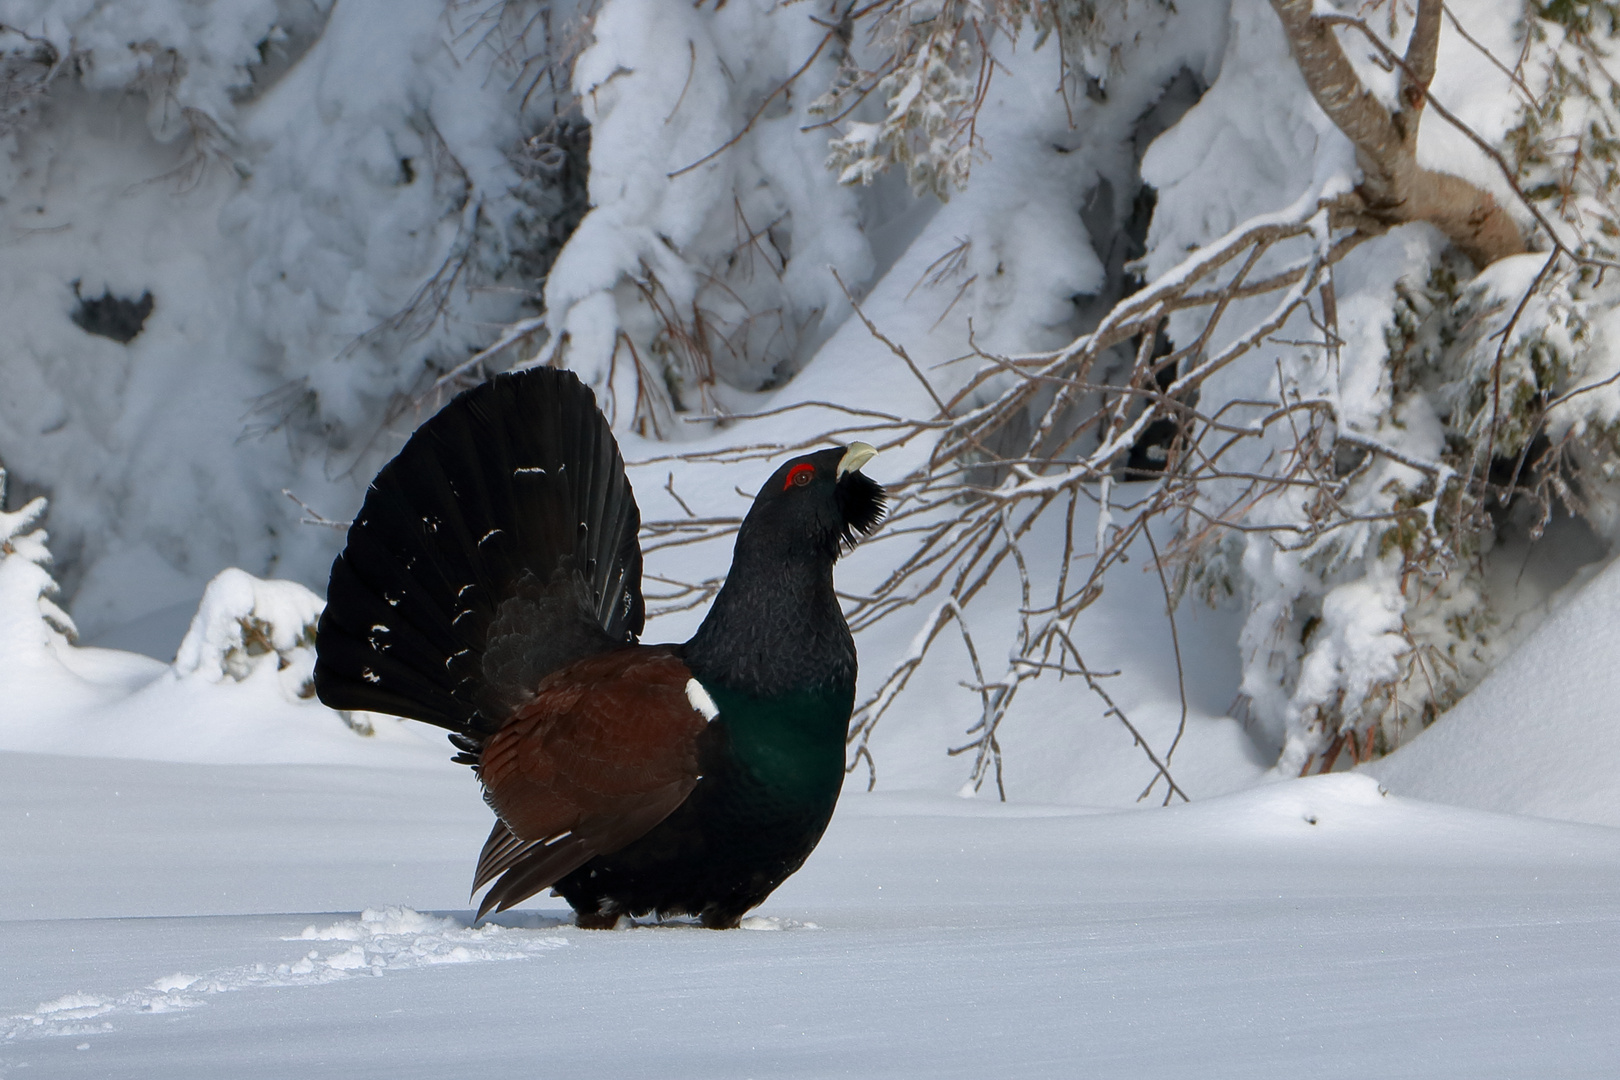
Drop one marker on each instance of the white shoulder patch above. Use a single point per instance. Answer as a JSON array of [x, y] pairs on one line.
[[700, 699]]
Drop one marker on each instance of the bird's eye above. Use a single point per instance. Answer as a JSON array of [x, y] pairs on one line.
[[800, 476]]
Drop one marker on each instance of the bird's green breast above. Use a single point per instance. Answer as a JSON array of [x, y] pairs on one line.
[[792, 744]]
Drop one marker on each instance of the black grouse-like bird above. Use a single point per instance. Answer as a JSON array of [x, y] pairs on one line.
[[491, 585]]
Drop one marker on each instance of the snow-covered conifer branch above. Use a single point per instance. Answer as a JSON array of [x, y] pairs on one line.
[[25, 577]]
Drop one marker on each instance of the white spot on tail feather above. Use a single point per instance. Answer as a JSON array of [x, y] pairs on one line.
[[700, 699]]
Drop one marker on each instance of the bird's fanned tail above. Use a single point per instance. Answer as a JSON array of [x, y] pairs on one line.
[[498, 546]]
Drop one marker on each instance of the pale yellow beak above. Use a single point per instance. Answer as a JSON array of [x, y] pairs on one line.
[[858, 454]]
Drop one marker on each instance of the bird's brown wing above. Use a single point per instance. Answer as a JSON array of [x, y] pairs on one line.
[[605, 751]]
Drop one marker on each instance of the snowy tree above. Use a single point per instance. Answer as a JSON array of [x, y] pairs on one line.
[[1344, 489], [33, 621], [278, 223], [1344, 438], [1302, 308]]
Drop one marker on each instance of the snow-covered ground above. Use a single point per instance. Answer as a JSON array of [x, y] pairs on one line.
[[172, 921]]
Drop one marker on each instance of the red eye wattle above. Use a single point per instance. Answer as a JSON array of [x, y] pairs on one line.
[[799, 476]]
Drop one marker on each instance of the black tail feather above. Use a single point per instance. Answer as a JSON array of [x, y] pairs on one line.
[[500, 544]]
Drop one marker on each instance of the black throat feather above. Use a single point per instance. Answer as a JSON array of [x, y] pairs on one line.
[[776, 626]]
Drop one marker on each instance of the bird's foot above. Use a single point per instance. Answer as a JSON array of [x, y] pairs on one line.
[[597, 920], [720, 920]]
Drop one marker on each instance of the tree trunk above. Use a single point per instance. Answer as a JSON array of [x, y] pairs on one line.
[[1395, 189]]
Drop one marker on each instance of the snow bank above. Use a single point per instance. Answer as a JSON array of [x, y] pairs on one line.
[[1539, 735], [239, 690]]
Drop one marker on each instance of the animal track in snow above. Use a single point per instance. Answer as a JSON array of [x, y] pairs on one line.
[[771, 922], [379, 941]]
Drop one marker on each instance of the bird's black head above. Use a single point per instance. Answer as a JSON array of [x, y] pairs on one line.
[[776, 626], [815, 505]]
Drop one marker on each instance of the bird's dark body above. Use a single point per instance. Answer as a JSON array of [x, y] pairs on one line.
[[752, 820], [491, 586]]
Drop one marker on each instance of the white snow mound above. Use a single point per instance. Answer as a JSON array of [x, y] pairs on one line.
[[1538, 735]]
